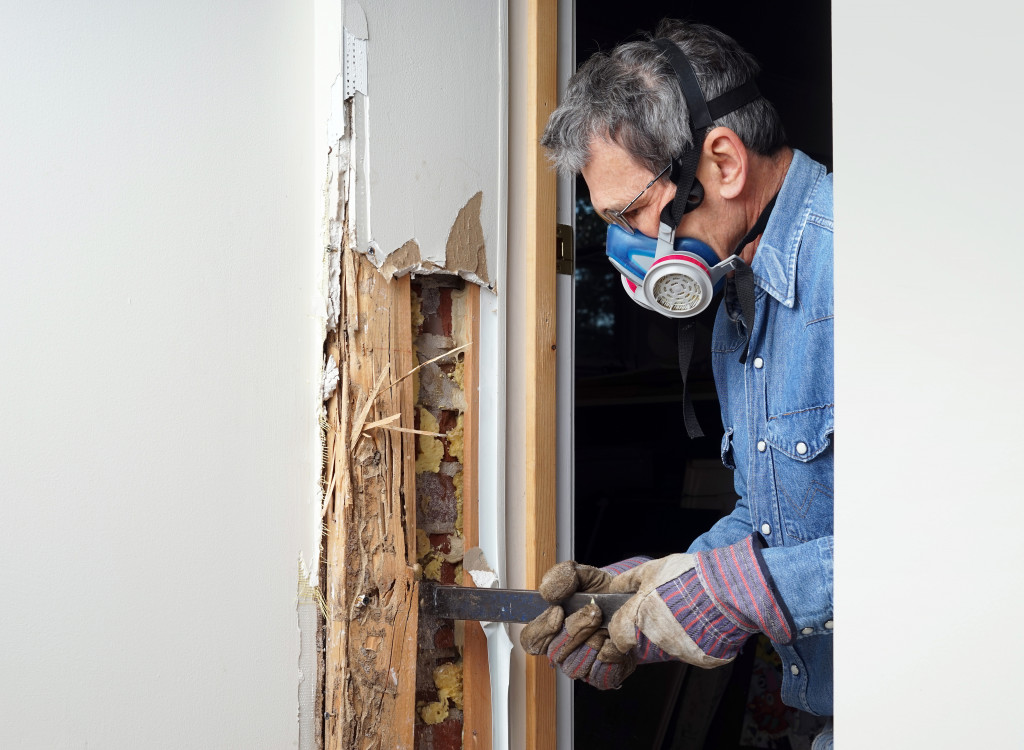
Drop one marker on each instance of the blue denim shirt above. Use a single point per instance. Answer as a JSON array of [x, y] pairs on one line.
[[778, 414]]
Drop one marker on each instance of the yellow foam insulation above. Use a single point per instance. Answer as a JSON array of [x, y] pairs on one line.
[[459, 315], [430, 449], [422, 544], [434, 712], [459, 373], [448, 678], [417, 311], [457, 481], [432, 569], [455, 436], [458, 574]]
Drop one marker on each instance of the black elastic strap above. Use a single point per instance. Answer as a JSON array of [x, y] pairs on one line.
[[700, 117], [686, 334], [733, 99], [684, 175], [743, 277], [743, 284], [689, 192]]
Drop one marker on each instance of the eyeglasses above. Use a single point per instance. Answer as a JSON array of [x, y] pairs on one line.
[[617, 218]]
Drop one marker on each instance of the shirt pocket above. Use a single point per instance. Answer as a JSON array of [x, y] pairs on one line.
[[802, 459], [799, 360]]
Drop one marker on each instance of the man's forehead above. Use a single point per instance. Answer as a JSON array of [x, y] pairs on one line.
[[612, 174]]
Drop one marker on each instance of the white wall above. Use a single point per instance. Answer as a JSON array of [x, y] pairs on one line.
[[159, 346], [928, 100]]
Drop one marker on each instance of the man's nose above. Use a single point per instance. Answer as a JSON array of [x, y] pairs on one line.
[[648, 221]]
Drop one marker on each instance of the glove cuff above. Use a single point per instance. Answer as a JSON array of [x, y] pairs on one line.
[[712, 632], [624, 565], [738, 582]]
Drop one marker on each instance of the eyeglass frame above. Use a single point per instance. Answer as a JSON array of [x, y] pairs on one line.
[[617, 218]]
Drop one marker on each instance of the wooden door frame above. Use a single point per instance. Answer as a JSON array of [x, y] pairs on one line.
[[540, 360]]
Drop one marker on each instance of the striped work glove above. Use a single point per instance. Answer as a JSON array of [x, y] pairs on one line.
[[698, 608], [577, 644]]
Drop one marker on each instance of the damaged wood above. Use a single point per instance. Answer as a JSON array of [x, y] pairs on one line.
[[371, 592]]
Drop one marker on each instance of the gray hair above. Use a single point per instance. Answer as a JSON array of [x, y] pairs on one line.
[[631, 96]]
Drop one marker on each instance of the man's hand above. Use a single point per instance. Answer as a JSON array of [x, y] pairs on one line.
[[695, 608], [577, 644], [698, 608]]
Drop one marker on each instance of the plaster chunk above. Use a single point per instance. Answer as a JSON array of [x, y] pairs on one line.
[[440, 390], [430, 345]]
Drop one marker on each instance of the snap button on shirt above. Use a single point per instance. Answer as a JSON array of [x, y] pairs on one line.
[[807, 631], [766, 529], [828, 625], [801, 448], [794, 669], [758, 363], [762, 446]]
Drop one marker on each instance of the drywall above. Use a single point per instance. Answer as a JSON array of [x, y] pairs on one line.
[[434, 120], [929, 570], [159, 330]]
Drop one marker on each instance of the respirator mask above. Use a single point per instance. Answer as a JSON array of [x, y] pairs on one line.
[[677, 282]]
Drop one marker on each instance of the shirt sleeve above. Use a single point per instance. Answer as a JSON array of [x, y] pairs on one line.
[[802, 575], [729, 529]]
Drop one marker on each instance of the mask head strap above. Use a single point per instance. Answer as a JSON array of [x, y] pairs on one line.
[[689, 192]]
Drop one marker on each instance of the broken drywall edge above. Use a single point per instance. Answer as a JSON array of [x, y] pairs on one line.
[[465, 254], [464, 249], [474, 561], [333, 289], [332, 374]]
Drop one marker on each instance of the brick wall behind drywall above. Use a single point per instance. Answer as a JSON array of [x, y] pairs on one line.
[[437, 313]]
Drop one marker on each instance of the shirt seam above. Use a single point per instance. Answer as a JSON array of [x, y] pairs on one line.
[[801, 411]]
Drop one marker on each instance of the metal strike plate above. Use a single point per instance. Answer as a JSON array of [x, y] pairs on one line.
[[564, 258]]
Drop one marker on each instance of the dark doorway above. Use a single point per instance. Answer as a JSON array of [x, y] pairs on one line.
[[642, 487]]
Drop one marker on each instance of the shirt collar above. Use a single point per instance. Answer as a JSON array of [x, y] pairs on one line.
[[775, 260]]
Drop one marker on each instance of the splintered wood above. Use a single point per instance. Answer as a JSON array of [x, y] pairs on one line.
[[369, 513]]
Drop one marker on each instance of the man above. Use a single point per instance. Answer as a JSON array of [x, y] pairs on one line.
[[717, 171]]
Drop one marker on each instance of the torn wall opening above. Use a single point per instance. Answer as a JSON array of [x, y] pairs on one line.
[[438, 319]]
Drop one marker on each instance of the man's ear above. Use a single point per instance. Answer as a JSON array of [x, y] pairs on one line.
[[727, 157]]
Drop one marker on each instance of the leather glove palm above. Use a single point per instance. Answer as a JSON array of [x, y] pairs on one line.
[[577, 644]]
